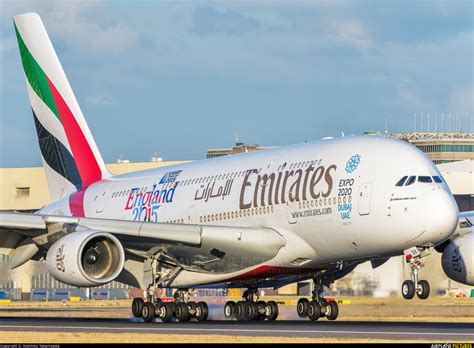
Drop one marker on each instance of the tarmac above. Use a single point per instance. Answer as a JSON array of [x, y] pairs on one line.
[[120, 320], [281, 328]]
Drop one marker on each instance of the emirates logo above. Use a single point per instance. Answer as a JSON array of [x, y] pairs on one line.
[[60, 259], [456, 260]]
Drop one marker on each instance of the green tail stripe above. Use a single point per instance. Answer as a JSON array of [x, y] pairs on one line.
[[36, 76]]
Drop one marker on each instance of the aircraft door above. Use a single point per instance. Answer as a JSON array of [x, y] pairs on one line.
[[102, 199], [364, 198]]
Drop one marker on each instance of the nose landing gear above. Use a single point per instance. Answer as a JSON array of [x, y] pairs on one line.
[[414, 286]]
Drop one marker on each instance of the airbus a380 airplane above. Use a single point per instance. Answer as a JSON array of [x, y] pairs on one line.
[[262, 219]]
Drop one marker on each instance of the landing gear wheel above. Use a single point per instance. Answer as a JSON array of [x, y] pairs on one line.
[[239, 310], [302, 307], [423, 291], [250, 311], [314, 310], [182, 311], [331, 310], [408, 289], [202, 311], [148, 312], [322, 303], [229, 309], [166, 311], [261, 310], [192, 305], [271, 310], [137, 306]]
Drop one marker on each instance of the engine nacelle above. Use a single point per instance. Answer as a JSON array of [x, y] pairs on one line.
[[86, 258], [458, 259]]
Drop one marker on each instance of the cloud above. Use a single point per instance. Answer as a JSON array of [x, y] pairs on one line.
[[208, 20], [81, 25], [349, 32], [99, 100]]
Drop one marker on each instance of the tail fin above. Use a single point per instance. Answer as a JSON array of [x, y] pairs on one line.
[[70, 155]]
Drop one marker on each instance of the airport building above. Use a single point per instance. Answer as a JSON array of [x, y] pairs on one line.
[[238, 148], [440, 147]]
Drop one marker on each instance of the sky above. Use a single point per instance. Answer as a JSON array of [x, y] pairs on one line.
[[178, 77]]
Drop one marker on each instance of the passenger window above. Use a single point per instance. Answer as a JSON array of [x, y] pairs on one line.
[[401, 181], [424, 179], [410, 180], [437, 179]]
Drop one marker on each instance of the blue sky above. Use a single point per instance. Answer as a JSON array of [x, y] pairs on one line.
[[178, 77]]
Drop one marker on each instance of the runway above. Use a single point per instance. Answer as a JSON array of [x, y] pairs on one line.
[[440, 332]]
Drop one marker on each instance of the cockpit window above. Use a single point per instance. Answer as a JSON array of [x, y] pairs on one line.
[[437, 179], [410, 180], [401, 181], [425, 179]]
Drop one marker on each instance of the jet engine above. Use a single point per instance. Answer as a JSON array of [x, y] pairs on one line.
[[86, 258], [458, 259]]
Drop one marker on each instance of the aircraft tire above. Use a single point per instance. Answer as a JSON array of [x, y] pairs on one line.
[[148, 312], [137, 306], [302, 307], [202, 311], [166, 311], [249, 311], [239, 310], [229, 309], [314, 310], [424, 290], [408, 289], [182, 311], [261, 310], [271, 310], [331, 310]]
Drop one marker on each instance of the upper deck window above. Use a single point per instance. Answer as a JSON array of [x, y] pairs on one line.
[[401, 181], [410, 180], [425, 179], [437, 179]]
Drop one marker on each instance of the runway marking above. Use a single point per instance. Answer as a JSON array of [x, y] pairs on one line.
[[86, 328]]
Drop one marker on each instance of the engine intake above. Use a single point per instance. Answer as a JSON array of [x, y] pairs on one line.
[[86, 258], [458, 259]]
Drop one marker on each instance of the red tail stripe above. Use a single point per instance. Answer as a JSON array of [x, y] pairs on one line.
[[87, 165], [76, 203]]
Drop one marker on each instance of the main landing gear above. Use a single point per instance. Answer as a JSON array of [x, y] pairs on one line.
[[161, 268], [182, 309], [251, 308], [414, 286], [318, 307]]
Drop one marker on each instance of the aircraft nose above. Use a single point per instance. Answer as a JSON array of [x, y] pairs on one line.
[[443, 217]]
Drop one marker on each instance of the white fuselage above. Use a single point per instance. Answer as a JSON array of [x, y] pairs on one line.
[[331, 200]]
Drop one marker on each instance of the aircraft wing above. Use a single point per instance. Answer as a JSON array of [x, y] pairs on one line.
[[199, 247]]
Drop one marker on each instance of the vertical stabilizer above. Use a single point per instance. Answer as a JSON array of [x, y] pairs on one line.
[[70, 155]]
